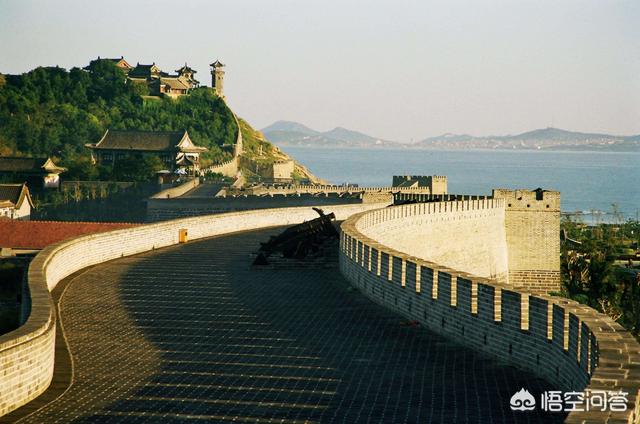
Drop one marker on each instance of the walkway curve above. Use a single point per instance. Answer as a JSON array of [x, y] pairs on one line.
[[193, 333]]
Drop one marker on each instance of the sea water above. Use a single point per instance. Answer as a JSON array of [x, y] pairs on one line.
[[589, 182]]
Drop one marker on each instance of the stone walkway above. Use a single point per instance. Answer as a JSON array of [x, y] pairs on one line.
[[205, 190], [193, 334]]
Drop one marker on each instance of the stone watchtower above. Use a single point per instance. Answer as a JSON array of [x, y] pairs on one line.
[[436, 184], [217, 78], [532, 224]]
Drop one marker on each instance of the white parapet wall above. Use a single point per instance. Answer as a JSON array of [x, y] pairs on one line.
[[27, 353], [177, 191], [572, 346], [425, 230]]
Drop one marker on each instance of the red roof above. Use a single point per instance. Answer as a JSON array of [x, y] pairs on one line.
[[38, 234]]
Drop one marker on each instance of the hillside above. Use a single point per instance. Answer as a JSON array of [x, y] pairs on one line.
[[261, 152], [54, 112]]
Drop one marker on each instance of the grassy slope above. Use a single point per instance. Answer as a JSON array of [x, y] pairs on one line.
[[259, 149]]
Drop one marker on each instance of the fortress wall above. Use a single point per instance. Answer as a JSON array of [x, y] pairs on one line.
[[439, 185], [166, 209], [465, 235], [374, 197], [282, 170], [27, 353], [570, 345], [178, 190], [228, 168], [427, 198], [328, 188]]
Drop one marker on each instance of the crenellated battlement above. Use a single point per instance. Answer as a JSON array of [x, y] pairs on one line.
[[539, 200], [437, 184], [568, 344]]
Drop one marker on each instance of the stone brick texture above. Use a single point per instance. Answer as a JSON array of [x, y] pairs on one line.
[[192, 333], [570, 345], [174, 208], [27, 354], [532, 224], [466, 235]]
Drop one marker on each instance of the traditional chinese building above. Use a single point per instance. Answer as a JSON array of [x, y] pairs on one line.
[[120, 63], [37, 172], [174, 148], [162, 83], [15, 201], [187, 74]]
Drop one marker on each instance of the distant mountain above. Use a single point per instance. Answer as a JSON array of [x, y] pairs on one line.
[[287, 133], [289, 126], [349, 136], [545, 138], [557, 134], [449, 138]]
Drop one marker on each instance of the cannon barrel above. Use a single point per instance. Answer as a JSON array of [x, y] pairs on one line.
[[297, 241]]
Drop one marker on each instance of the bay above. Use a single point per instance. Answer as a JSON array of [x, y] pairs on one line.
[[588, 181]]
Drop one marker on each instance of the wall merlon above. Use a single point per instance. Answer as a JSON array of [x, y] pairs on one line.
[[546, 200], [582, 348]]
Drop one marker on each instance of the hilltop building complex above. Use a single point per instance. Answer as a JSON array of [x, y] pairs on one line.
[[160, 83]]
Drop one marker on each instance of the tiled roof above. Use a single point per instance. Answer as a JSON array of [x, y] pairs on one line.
[[10, 192], [39, 234], [119, 61], [15, 193], [140, 140], [174, 83], [144, 70], [19, 164], [217, 64], [186, 68]]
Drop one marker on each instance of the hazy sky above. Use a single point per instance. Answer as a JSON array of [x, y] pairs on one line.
[[398, 70]]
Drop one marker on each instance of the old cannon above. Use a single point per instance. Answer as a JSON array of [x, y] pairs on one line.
[[300, 240]]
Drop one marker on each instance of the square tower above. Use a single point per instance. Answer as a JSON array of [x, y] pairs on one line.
[[532, 224], [217, 78], [437, 184]]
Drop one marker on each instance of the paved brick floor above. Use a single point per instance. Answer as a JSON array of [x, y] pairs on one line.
[[193, 334]]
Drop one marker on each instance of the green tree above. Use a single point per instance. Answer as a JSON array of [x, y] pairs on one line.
[[81, 168], [590, 274], [51, 111]]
